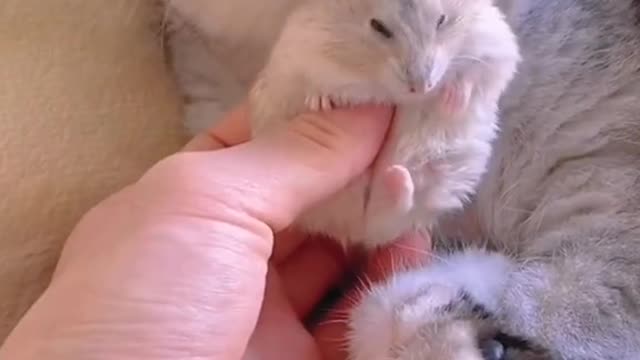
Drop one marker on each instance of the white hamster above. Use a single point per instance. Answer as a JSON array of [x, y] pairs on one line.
[[444, 63]]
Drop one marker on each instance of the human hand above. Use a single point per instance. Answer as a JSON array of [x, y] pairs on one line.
[[175, 265]]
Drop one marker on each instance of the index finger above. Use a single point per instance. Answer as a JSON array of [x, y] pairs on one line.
[[231, 130]]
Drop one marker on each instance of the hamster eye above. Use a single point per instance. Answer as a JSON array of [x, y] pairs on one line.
[[381, 28], [441, 21]]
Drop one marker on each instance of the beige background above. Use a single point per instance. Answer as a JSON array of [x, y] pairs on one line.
[[86, 105]]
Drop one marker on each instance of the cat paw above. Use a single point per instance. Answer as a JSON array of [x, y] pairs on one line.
[[443, 311], [319, 103]]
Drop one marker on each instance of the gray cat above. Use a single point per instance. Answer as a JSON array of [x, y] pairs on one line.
[[555, 273]]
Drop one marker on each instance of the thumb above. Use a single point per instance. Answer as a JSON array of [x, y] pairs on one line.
[[314, 155]]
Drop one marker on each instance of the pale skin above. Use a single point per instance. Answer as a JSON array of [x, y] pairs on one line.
[[184, 262]]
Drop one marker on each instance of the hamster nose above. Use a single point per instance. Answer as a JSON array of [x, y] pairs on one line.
[[420, 87]]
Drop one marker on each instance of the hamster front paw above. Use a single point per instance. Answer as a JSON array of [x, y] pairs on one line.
[[455, 96], [389, 199], [442, 312], [319, 103], [399, 188]]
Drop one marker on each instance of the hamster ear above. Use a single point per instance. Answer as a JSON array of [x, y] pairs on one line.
[[505, 5], [508, 7]]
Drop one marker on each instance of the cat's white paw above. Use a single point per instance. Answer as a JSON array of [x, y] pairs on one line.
[[441, 312]]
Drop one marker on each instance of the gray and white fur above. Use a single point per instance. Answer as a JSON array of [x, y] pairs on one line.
[[557, 213]]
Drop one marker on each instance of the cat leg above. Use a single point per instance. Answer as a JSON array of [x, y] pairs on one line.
[[440, 311], [577, 302], [582, 301]]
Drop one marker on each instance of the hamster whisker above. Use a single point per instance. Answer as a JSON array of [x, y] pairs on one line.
[[429, 253], [472, 58], [333, 321], [341, 314], [352, 298], [341, 342], [414, 249]]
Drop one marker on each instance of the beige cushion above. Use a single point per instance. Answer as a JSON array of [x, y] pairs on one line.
[[86, 105]]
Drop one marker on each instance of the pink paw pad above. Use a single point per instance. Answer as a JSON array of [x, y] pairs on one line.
[[399, 185]]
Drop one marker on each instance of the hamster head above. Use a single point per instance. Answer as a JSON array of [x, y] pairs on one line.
[[405, 47]]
